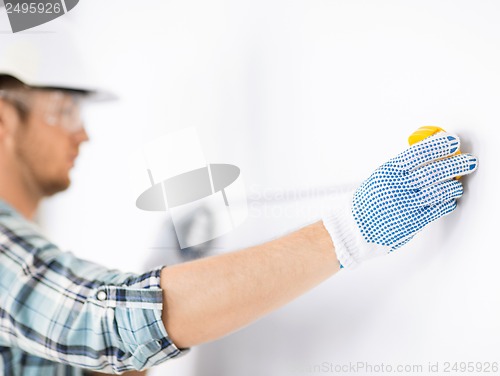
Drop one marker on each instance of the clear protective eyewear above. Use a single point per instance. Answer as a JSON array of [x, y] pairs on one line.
[[61, 108]]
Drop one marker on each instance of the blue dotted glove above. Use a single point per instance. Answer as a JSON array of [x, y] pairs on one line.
[[399, 199]]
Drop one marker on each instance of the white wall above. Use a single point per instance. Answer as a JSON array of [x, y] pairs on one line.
[[300, 95]]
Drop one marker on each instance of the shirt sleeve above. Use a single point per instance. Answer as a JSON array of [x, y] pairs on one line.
[[68, 310]]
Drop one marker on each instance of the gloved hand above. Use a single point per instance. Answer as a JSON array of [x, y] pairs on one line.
[[399, 199]]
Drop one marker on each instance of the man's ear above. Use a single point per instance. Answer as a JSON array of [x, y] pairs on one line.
[[7, 118], [2, 117]]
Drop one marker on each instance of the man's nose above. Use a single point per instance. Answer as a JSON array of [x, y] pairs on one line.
[[80, 135]]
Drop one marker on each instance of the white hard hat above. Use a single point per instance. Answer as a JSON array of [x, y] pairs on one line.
[[48, 60]]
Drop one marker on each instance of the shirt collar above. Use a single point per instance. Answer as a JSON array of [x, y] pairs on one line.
[[6, 208]]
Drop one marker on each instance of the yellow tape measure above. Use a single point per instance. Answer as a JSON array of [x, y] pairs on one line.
[[424, 132]]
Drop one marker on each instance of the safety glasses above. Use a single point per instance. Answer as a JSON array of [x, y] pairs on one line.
[[56, 107]]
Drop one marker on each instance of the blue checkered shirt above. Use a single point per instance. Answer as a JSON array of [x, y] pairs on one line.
[[61, 315]]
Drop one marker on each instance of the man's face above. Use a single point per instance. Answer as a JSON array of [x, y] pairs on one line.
[[48, 142]]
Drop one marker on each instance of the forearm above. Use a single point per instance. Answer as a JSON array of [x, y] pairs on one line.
[[209, 298], [130, 373]]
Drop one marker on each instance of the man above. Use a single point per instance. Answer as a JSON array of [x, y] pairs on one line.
[[61, 314]]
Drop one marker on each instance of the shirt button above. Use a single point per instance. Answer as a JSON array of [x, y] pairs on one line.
[[101, 295]]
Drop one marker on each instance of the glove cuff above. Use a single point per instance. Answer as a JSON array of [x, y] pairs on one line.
[[350, 246]]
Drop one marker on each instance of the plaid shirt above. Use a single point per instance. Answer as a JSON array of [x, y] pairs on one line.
[[60, 314]]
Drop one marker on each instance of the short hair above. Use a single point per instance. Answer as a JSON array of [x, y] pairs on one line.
[[10, 83]]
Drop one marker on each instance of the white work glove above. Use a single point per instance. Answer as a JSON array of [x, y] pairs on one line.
[[399, 199]]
